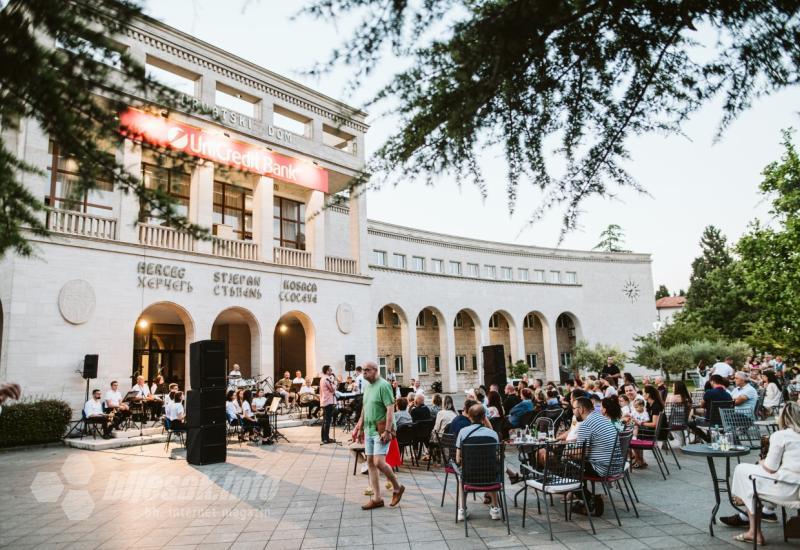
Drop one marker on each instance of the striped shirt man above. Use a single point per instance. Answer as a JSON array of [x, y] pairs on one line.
[[600, 436]]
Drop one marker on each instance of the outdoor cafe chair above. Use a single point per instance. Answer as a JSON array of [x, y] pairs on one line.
[[561, 473], [647, 440], [482, 470], [616, 473], [447, 446]]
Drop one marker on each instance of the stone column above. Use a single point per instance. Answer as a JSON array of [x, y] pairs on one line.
[[517, 341], [128, 209], [262, 217], [551, 358], [447, 356], [201, 200], [315, 229], [358, 228], [410, 353]]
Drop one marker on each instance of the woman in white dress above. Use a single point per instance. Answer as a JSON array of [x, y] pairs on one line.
[[782, 463]]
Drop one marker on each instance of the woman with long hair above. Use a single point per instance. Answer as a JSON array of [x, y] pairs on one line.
[[610, 408], [777, 476], [495, 408], [680, 394], [445, 416], [655, 408], [250, 421], [627, 378], [772, 395]]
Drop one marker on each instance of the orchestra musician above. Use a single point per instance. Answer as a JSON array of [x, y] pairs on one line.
[[93, 411], [259, 401], [250, 422], [113, 399], [298, 378], [283, 387], [235, 372], [145, 397], [307, 396]]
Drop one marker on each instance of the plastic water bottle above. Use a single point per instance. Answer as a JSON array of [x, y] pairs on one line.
[[714, 438]]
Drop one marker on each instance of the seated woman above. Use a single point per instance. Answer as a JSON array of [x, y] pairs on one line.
[[445, 416], [176, 413], [772, 395], [654, 408], [401, 415], [782, 463], [250, 422], [232, 408], [308, 398]]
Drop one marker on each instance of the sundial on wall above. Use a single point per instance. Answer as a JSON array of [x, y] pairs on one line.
[[631, 290]]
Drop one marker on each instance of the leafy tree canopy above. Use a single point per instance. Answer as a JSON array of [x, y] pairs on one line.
[[588, 73], [55, 57], [662, 292]]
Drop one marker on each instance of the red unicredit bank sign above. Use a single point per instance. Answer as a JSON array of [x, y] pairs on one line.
[[216, 147]]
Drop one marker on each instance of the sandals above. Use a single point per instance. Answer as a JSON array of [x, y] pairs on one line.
[[639, 465], [743, 538]]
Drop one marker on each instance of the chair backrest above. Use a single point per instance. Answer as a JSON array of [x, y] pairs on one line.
[[650, 434], [676, 415], [405, 435], [481, 461], [447, 443], [564, 464], [762, 392], [497, 424], [542, 423], [743, 428], [619, 456], [526, 419], [714, 417], [422, 430]]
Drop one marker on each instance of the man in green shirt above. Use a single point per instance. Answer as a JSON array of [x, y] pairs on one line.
[[376, 429]]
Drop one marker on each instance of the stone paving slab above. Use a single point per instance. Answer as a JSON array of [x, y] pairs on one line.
[[302, 495]]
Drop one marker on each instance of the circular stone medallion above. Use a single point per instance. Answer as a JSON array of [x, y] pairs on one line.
[[344, 318], [76, 301]]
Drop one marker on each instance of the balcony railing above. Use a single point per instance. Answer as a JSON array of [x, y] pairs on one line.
[[292, 257], [340, 265], [78, 223], [165, 237], [234, 248]]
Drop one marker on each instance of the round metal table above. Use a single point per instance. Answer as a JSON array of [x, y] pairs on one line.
[[704, 449]]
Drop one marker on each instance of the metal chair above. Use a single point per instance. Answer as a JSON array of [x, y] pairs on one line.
[[178, 431], [794, 504], [447, 445], [676, 422], [482, 470], [743, 428], [562, 472], [616, 473], [422, 436], [647, 440], [405, 440]]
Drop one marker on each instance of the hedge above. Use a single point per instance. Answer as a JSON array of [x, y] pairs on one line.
[[32, 422]]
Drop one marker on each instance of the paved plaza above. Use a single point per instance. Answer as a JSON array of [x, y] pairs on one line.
[[301, 495]]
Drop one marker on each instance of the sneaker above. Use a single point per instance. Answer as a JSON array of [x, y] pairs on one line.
[[462, 514], [769, 518], [735, 521], [495, 512], [365, 469]]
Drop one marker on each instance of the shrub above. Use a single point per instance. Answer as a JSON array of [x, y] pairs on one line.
[[436, 387], [593, 359], [518, 369], [31, 422]]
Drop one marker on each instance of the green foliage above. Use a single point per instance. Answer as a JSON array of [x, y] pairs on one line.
[[678, 358], [770, 259], [514, 74], [31, 422], [518, 369], [647, 353], [593, 359], [684, 329], [612, 239], [56, 55], [717, 295], [436, 387], [662, 292]]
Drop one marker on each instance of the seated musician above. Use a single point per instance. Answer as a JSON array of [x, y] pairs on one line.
[[308, 397], [170, 396], [260, 401], [350, 385], [235, 372], [113, 399], [232, 408], [93, 411], [283, 387], [158, 387], [298, 378], [250, 422], [176, 413]]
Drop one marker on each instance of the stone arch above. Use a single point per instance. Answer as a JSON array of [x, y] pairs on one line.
[[292, 328], [432, 344], [567, 335], [240, 330], [536, 341], [161, 337], [392, 337], [467, 343]]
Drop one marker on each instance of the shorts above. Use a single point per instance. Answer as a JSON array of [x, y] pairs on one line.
[[374, 446]]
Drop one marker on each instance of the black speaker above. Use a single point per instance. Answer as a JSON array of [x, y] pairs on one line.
[[207, 364], [494, 366], [205, 407], [349, 362], [90, 366], [206, 445]]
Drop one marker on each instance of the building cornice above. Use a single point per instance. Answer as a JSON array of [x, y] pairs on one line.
[[470, 279], [160, 36], [429, 238]]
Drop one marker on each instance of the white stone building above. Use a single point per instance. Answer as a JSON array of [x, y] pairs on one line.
[[288, 284]]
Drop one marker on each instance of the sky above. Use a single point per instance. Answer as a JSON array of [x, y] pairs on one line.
[[692, 181]]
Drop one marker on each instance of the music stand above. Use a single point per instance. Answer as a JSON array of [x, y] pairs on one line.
[[273, 412]]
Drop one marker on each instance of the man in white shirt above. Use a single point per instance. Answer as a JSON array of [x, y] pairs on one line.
[[176, 412], [744, 395], [113, 399], [724, 369], [298, 378], [359, 380], [235, 372], [418, 388], [93, 412]]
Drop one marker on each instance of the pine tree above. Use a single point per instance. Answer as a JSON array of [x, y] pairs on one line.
[[612, 239], [662, 292]]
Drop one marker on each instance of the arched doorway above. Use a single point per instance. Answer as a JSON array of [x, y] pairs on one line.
[[566, 338], [238, 328], [391, 328], [294, 345], [429, 334], [534, 334], [161, 339], [465, 327]]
